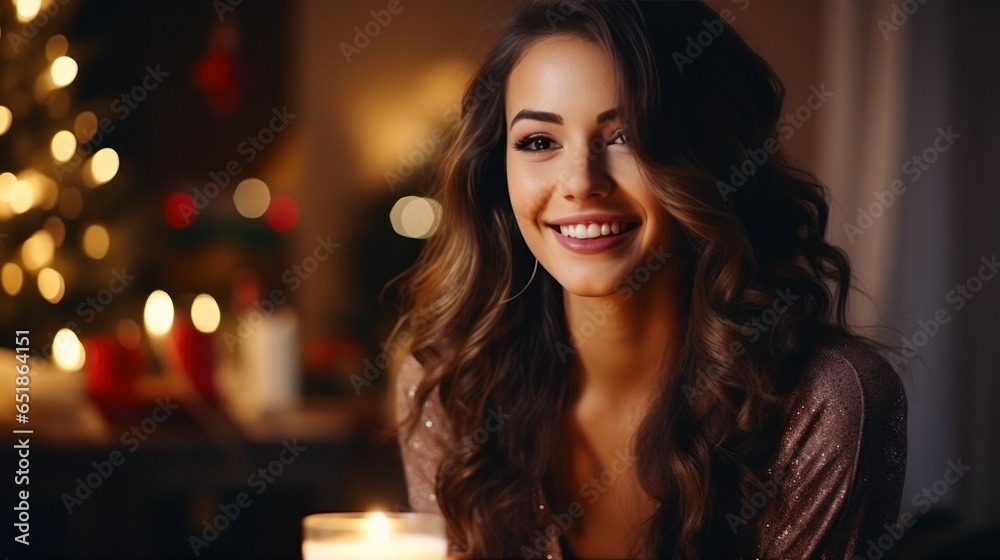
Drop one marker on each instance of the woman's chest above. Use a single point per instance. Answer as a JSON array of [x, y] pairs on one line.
[[599, 486]]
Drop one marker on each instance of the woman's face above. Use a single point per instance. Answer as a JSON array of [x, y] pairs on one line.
[[584, 207]]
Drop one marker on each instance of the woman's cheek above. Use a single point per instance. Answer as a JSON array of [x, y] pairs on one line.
[[529, 192], [624, 170]]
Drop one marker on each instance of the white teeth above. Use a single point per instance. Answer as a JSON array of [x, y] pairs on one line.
[[590, 231]]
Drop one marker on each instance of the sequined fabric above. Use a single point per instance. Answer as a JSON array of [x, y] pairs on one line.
[[838, 473]]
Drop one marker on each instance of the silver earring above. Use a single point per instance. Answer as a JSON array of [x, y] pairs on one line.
[[525, 286]]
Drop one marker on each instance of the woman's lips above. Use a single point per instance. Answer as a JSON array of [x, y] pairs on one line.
[[595, 244]]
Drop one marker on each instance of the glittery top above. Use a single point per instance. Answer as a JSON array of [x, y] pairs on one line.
[[840, 462]]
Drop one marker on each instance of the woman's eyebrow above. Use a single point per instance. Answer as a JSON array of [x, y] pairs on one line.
[[531, 114], [608, 115], [554, 118]]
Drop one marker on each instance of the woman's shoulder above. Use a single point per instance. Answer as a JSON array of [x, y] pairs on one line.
[[849, 382], [846, 394], [841, 459], [410, 373]]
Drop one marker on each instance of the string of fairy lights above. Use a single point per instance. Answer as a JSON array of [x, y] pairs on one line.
[[53, 176], [49, 177], [55, 159]]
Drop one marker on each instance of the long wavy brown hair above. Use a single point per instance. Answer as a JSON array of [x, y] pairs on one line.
[[693, 115]]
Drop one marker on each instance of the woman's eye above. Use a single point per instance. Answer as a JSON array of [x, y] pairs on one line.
[[541, 144], [620, 137], [535, 144]]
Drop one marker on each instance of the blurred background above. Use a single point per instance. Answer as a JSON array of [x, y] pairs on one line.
[[201, 203]]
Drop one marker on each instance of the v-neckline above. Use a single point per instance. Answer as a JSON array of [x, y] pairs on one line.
[[566, 548], [546, 491], [561, 541]]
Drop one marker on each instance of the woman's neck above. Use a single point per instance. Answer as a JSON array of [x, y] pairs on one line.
[[619, 341]]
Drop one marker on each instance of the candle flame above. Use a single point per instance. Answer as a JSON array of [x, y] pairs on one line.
[[378, 527]]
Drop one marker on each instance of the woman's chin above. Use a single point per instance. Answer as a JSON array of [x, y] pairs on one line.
[[592, 287]]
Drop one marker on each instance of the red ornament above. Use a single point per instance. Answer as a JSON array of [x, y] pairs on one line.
[[179, 209], [283, 213]]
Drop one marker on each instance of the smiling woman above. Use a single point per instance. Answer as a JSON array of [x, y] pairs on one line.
[[671, 360]]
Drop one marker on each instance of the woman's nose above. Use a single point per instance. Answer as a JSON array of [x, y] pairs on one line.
[[585, 175]]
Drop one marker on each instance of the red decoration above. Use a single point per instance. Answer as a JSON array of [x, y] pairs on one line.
[[112, 369], [219, 73], [179, 209], [283, 213], [215, 75], [196, 351]]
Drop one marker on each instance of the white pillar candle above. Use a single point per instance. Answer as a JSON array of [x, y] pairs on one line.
[[271, 363], [400, 547], [379, 539]]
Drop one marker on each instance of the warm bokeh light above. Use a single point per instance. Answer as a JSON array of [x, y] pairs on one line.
[[415, 216], [22, 196], [38, 250], [56, 228], [420, 217], [6, 118], [56, 46], [51, 285], [7, 182], [63, 71], [101, 168], [67, 351], [252, 198], [205, 313], [12, 278], [96, 241], [158, 316], [128, 333], [45, 193], [395, 135], [27, 9], [63, 146]]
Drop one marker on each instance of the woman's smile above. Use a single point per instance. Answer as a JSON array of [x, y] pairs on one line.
[[593, 233]]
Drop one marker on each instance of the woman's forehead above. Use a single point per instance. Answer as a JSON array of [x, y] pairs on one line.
[[563, 74]]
